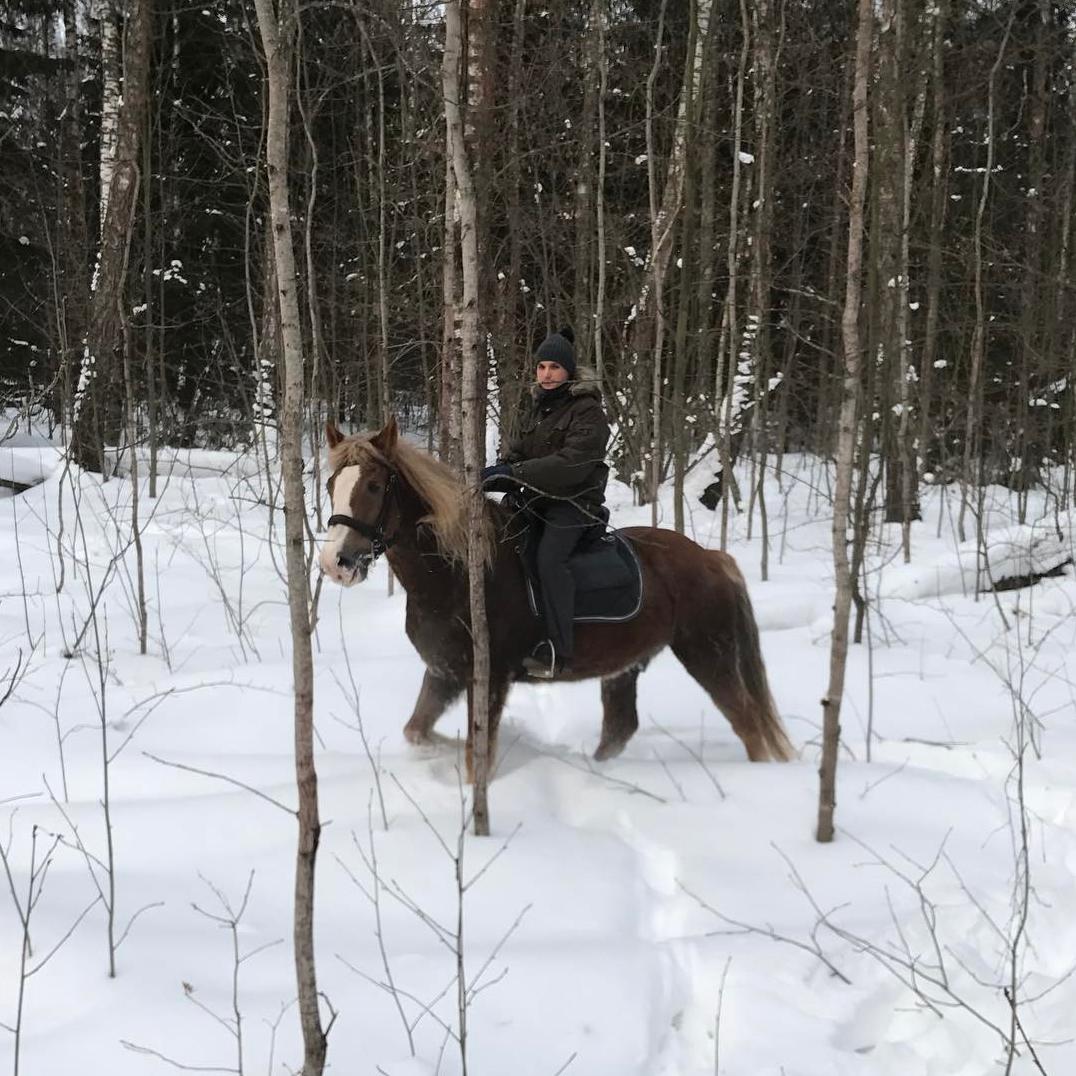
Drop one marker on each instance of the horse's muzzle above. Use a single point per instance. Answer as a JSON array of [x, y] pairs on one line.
[[346, 569]]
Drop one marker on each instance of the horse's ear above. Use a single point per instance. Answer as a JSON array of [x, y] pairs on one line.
[[386, 438], [332, 435]]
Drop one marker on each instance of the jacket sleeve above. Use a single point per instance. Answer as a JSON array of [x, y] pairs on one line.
[[569, 468]]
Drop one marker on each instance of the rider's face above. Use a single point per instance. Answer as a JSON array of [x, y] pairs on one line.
[[551, 374]]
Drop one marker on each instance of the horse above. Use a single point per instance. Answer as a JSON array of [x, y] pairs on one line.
[[390, 497]]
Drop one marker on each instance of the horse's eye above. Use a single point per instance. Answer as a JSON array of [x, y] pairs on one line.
[[374, 487]]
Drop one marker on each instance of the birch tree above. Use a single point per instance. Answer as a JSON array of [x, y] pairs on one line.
[[276, 29], [846, 431], [472, 413], [95, 412]]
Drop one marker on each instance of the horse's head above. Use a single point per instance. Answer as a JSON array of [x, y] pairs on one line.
[[360, 490]]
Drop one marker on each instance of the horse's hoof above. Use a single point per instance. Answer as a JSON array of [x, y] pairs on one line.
[[609, 750], [416, 735]]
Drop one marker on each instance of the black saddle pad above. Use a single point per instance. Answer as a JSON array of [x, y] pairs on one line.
[[608, 577]]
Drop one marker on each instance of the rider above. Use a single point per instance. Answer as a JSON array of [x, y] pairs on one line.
[[559, 459]]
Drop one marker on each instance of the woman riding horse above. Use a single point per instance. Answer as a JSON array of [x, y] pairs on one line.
[[559, 460], [388, 496]]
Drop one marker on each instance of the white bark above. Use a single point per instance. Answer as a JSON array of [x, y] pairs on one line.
[[673, 190], [599, 302], [275, 41], [472, 421], [111, 65], [846, 434]]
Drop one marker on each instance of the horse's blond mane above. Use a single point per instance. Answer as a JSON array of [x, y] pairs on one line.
[[434, 482]]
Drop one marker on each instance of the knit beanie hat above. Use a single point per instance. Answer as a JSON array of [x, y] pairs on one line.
[[557, 347]]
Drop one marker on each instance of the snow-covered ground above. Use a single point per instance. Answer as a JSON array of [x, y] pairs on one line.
[[665, 914]]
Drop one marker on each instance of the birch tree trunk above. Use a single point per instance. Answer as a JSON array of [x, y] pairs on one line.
[[648, 307], [76, 290], [972, 435], [472, 417], [938, 155], [726, 374], [599, 197], [584, 184], [909, 496], [149, 364], [887, 183], [100, 385], [111, 67], [766, 54], [673, 189], [704, 301], [383, 260], [505, 322], [450, 366], [275, 42], [846, 433], [656, 293], [1033, 326], [679, 427], [829, 345]]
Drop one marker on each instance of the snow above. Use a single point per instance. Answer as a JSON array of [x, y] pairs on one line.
[[643, 915], [26, 457], [27, 466]]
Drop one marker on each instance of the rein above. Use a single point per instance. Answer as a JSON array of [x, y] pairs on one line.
[[374, 534]]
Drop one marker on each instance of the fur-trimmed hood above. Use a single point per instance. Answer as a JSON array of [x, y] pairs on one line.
[[585, 383]]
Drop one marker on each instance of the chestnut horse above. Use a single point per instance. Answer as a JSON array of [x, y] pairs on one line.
[[389, 496]]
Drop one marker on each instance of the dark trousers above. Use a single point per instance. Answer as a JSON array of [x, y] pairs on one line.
[[564, 526]]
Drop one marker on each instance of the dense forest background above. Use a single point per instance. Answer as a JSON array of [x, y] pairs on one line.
[[837, 229], [671, 178]]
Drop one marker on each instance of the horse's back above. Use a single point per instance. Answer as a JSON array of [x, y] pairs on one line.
[[659, 546], [699, 582]]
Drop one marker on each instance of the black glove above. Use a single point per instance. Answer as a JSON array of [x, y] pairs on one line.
[[496, 470]]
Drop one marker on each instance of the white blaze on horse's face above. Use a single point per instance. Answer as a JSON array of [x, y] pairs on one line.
[[340, 564]]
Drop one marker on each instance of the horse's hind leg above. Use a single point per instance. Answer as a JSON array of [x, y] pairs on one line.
[[438, 692], [620, 718], [713, 665]]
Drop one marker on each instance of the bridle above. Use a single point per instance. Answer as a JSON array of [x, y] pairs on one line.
[[373, 533]]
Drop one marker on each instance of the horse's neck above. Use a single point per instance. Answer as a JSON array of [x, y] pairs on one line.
[[415, 556]]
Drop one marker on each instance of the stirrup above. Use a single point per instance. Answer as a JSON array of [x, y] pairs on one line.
[[539, 667]]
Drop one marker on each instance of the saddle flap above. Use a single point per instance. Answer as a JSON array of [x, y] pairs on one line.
[[607, 562], [607, 574]]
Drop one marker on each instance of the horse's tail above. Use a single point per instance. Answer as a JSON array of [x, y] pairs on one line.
[[752, 672]]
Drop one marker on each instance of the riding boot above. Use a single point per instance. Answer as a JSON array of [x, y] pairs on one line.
[[564, 526]]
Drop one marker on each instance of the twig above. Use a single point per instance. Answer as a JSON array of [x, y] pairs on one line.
[[717, 1017], [223, 777], [696, 755], [629, 786], [768, 932], [146, 1051]]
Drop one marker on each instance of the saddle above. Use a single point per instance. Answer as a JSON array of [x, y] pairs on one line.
[[605, 567]]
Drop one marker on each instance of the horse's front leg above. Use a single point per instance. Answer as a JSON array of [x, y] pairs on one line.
[[437, 694]]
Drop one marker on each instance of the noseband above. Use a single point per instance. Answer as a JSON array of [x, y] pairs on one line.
[[374, 534]]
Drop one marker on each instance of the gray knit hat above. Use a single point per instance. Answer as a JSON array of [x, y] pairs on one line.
[[557, 347]]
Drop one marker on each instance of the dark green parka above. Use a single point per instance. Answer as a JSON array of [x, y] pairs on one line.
[[560, 450]]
